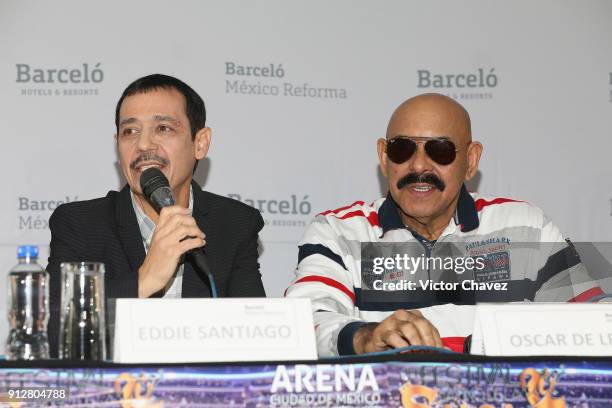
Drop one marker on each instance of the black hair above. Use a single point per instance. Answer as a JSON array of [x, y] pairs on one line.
[[194, 105]]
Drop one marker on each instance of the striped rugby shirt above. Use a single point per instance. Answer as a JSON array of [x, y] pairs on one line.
[[329, 265]]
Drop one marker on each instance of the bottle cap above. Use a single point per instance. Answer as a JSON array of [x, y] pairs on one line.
[[27, 251]]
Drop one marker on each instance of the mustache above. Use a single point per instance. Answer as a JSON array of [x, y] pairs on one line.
[[148, 157], [428, 178]]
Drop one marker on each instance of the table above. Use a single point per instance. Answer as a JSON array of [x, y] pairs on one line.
[[407, 380]]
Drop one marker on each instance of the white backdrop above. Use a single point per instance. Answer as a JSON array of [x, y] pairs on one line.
[[535, 76]]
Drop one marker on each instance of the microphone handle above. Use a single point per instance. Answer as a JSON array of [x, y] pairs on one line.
[[200, 260], [160, 197]]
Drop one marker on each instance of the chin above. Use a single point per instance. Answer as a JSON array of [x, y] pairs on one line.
[[416, 208], [419, 213]]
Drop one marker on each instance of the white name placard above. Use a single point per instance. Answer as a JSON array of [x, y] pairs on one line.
[[207, 330], [543, 329]]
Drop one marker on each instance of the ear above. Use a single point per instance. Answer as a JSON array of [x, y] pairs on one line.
[[381, 145], [202, 142], [473, 158]]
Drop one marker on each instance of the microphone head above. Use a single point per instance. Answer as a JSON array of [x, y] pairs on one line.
[[150, 180]]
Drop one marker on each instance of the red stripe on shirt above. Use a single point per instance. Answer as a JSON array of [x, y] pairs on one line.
[[329, 282], [337, 210], [372, 217], [587, 294], [481, 203], [454, 343]]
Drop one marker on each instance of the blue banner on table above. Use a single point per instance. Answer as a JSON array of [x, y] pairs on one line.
[[394, 384]]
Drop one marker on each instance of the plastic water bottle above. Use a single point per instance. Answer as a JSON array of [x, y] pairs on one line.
[[28, 307]]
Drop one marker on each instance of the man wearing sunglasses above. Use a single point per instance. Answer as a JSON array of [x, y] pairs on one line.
[[427, 156]]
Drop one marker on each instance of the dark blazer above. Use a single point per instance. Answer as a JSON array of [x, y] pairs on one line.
[[106, 230]]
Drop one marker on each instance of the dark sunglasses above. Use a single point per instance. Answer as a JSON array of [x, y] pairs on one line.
[[401, 148]]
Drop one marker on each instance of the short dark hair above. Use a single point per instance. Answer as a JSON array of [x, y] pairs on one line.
[[194, 105]]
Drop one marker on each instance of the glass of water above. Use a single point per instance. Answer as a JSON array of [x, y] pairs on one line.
[[82, 333]]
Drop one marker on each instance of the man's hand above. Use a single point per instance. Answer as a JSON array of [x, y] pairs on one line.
[[167, 245], [402, 328]]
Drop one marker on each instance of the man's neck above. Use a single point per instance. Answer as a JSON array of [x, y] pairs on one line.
[[181, 197], [431, 231]]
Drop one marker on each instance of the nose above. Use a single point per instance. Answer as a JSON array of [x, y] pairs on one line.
[[420, 161], [145, 141]]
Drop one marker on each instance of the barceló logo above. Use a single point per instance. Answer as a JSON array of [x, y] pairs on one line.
[[83, 74], [479, 79]]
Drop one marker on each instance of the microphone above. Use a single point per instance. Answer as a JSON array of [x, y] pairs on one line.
[[156, 189]]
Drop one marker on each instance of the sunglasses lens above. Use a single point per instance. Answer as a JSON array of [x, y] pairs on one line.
[[441, 151], [400, 150]]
